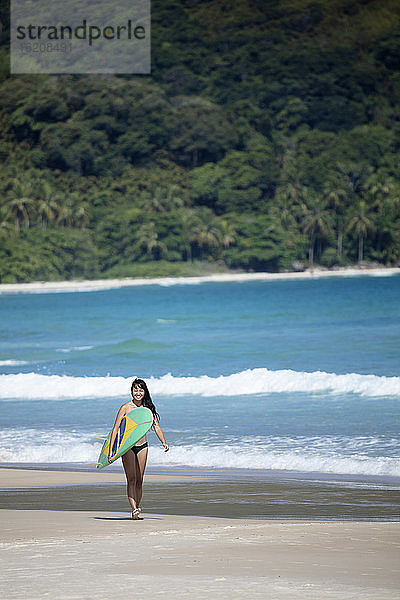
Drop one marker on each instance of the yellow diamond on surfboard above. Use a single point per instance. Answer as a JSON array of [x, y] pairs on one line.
[[133, 427]]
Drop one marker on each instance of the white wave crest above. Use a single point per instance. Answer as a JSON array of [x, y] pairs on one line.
[[33, 386], [234, 457], [264, 381], [75, 349], [29, 386], [12, 363], [42, 446]]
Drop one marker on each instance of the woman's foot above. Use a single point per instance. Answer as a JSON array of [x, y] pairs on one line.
[[135, 514]]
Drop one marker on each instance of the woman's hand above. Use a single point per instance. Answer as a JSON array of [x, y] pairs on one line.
[[159, 434]]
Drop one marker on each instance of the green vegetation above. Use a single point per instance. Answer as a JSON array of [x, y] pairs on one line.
[[266, 138]]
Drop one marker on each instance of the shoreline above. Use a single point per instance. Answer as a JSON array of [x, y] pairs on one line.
[[106, 284], [162, 474], [205, 493], [36, 477]]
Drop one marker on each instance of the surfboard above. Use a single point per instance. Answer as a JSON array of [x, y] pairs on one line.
[[133, 427]]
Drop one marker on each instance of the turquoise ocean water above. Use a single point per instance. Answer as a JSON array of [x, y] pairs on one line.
[[298, 376]]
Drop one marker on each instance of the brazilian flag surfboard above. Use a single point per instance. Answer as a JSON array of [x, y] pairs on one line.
[[133, 427]]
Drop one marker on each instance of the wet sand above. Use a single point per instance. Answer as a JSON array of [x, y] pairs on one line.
[[213, 493]]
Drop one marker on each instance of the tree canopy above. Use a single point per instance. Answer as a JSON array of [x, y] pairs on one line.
[[265, 138]]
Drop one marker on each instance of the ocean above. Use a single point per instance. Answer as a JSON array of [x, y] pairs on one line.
[[272, 376]]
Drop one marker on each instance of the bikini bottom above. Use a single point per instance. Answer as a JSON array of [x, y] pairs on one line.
[[137, 449]]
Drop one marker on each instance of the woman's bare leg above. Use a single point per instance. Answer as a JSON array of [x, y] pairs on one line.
[[129, 463], [141, 461]]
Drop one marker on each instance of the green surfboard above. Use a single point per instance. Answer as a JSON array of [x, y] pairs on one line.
[[133, 427]]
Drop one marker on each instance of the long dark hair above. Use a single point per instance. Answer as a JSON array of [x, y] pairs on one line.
[[147, 401]]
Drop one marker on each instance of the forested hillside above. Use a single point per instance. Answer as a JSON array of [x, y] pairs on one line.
[[266, 138]]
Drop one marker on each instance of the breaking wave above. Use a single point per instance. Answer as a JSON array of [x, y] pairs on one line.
[[30, 386], [324, 455]]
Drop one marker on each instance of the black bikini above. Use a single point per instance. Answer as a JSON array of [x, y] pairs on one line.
[[137, 449]]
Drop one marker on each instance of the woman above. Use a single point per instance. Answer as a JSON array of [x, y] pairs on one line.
[[134, 460]]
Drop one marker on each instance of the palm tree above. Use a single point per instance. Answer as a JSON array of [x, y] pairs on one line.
[[291, 192], [20, 204], [164, 199], [188, 220], [227, 233], [65, 215], [317, 224], [47, 207], [205, 231], [147, 238], [173, 198], [354, 177], [335, 194], [362, 224], [385, 200], [385, 195], [81, 215], [283, 210]]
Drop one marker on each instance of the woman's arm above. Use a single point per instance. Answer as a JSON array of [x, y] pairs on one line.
[[117, 423], [160, 434]]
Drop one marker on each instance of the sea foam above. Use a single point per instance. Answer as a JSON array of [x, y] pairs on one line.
[[54, 447], [232, 457], [31, 386]]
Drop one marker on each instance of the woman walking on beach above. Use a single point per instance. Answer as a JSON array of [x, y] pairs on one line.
[[134, 460]]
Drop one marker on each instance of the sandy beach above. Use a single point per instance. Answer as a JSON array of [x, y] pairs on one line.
[[85, 554], [104, 284]]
